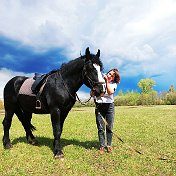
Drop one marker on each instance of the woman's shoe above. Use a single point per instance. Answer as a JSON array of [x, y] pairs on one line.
[[101, 150], [109, 149]]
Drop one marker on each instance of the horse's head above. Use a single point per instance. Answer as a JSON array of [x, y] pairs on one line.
[[92, 73]]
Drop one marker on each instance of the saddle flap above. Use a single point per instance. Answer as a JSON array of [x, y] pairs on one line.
[[39, 81]]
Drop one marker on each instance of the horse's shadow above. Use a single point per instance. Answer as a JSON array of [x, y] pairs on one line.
[[45, 141]]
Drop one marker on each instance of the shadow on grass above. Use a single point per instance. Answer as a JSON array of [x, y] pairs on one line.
[[44, 141]]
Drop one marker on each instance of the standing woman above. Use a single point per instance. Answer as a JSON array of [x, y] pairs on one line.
[[105, 108]]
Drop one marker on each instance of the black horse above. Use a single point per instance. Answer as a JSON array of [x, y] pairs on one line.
[[57, 98]]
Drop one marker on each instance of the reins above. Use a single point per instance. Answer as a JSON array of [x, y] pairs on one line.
[[132, 148], [83, 103]]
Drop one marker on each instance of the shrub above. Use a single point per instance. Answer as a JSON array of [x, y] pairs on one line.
[[1, 105], [128, 99], [170, 98], [148, 98], [135, 98]]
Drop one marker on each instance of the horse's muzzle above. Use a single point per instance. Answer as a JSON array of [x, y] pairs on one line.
[[99, 89]]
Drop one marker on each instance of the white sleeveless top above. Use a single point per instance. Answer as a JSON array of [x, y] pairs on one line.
[[107, 98]]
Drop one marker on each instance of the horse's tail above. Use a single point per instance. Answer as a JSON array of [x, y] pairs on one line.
[[33, 128], [24, 120]]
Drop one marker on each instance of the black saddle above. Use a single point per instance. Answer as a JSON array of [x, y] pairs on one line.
[[39, 81]]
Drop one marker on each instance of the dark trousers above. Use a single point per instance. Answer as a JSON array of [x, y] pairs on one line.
[[107, 111]]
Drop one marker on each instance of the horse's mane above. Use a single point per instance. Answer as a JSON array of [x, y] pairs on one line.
[[94, 60], [70, 63]]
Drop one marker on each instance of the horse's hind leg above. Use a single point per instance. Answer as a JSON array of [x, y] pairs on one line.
[[25, 119], [7, 124]]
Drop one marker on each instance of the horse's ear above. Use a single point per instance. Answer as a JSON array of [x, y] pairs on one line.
[[87, 54], [98, 53]]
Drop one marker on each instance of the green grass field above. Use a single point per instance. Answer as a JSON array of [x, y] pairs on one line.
[[151, 130]]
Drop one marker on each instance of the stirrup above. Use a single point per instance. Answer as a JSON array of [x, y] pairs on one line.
[[38, 104]]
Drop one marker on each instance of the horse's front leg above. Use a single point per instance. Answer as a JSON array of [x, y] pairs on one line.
[[57, 130]]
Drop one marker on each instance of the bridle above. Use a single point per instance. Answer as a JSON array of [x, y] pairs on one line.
[[91, 82]]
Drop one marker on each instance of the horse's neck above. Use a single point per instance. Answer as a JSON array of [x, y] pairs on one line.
[[73, 76]]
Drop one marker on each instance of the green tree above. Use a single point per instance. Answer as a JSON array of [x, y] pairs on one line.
[[146, 85], [1, 105], [120, 93], [171, 89]]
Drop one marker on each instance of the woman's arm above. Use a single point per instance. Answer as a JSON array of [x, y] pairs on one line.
[[110, 89]]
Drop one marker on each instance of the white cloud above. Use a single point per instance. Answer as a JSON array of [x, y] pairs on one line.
[[137, 34]]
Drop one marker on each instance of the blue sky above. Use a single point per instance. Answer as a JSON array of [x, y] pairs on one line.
[[136, 36]]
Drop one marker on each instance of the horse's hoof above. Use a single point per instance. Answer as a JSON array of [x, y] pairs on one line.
[[8, 146], [59, 156]]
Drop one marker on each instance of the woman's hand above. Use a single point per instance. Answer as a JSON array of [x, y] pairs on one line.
[[105, 78]]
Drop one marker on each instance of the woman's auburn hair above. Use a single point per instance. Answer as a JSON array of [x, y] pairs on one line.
[[117, 75]]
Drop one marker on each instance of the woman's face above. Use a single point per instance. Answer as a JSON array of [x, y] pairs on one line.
[[111, 76]]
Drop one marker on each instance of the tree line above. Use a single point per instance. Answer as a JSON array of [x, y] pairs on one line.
[[147, 96], [1, 105]]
